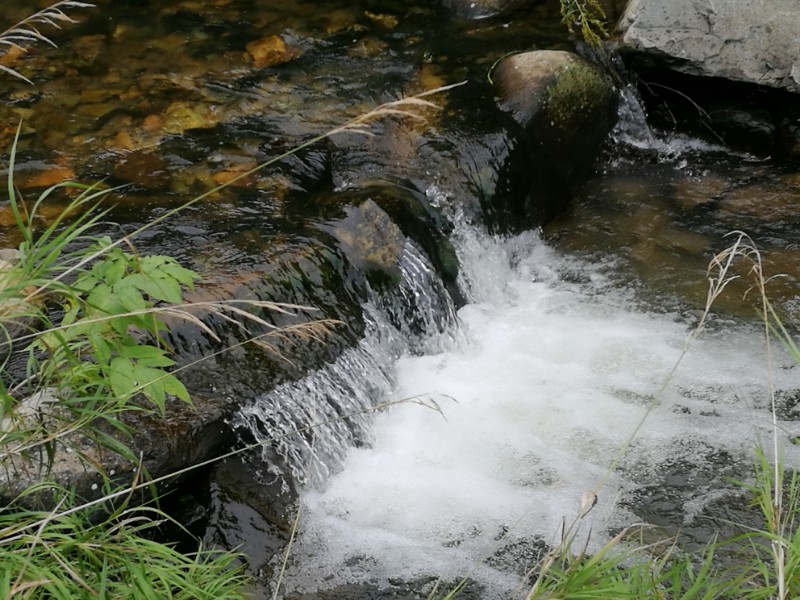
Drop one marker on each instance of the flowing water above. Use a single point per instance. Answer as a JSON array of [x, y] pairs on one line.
[[558, 368], [556, 377], [572, 368]]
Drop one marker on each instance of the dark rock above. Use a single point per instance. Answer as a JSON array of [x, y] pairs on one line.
[[743, 116], [415, 589], [751, 130], [89, 54], [245, 510], [788, 136], [221, 374], [393, 212], [144, 169], [188, 436]]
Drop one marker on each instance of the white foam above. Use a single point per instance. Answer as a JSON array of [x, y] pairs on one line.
[[551, 384]]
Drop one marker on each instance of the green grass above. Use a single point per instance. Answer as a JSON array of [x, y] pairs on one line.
[[50, 554]]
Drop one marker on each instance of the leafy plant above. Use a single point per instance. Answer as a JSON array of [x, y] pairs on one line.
[[85, 314], [95, 342], [82, 312], [585, 17]]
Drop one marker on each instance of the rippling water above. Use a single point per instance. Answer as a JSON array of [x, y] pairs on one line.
[[536, 407], [568, 335]]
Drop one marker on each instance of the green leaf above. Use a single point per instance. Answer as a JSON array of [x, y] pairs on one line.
[[85, 282], [174, 387], [122, 377], [171, 267], [129, 296], [159, 286], [147, 355], [102, 300], [151, 382], [111, 267], [102, 348], [115, 268], [161, 278]]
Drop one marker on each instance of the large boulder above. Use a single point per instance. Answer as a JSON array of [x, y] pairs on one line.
[[566, 107], [741, 40]]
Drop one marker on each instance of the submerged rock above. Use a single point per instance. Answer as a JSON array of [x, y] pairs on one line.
[[373, 222], [145, 169], [184, 116], [481, 9], [270, 51], [370, 240], [566, 107]]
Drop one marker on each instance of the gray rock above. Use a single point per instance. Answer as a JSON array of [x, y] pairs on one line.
[[752, 41]]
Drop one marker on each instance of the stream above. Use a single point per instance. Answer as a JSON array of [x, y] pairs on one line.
[[480, 381], [537, 396]]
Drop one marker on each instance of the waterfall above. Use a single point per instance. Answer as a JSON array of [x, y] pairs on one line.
[[552, 381], [332, 407], [556, 371]]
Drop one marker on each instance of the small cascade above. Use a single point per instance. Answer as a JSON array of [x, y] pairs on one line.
[[420, 309], [632, 128], [633, 132], [314, 422], [555, 379], [557, 373]]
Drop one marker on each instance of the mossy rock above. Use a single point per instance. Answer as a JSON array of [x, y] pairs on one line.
[[371, 241], [555, 89], [565, 107]]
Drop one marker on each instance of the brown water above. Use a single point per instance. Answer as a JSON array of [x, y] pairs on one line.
[[660, 223], [172, 100]]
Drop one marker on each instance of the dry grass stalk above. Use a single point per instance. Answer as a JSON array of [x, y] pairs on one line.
[[26, 32]]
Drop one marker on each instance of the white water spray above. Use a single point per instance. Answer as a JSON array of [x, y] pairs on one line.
[[553, 379]]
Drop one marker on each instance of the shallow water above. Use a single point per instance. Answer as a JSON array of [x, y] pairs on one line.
[[569, 334], [537, 405], [577, 371]]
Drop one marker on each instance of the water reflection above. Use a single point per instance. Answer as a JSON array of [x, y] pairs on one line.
[[660, 223]]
